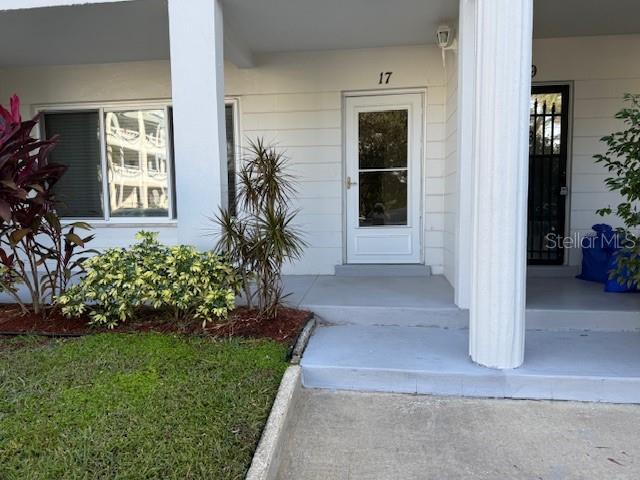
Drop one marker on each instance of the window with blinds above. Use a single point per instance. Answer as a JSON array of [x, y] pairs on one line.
[[122, 170], [80, 189], [125, 169]]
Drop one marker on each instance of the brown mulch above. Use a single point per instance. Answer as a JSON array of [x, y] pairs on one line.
[[242, 323]]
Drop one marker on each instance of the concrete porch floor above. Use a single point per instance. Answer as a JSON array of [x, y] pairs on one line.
[[405, 335], [562, 303], [582, 366]]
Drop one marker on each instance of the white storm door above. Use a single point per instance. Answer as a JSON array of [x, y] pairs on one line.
[[383, 135]]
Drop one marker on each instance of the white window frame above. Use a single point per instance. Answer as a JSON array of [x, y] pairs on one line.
[[102, 108], [234, 102]]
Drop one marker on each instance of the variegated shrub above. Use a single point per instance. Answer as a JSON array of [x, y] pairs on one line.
[[189, 282]]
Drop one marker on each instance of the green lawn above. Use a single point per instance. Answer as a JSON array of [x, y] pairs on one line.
[[134, 406]]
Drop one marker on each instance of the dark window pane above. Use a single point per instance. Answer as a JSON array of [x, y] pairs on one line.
[[80, 189], [173, 156], [231, 158], [382, 139], [136, 142], [383, 198]]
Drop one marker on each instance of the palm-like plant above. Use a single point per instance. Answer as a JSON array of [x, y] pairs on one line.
[[262, 236]]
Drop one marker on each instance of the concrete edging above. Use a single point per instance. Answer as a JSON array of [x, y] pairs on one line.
[[303, 340], [266, 459]]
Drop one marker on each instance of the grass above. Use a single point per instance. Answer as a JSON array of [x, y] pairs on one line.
[[143, 406]]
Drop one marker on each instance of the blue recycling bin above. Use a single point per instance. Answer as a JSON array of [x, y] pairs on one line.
[[598, 249]]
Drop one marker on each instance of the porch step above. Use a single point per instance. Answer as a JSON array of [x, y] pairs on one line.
[[582, 366], [552, 271], [366, 270], [375, 300]]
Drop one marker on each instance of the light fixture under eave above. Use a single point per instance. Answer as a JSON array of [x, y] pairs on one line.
[[445, 36]]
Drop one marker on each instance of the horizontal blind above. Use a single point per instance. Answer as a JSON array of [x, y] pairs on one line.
[[231, 158], [80, 189]]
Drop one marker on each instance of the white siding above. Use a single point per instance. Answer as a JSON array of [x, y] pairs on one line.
[[294, 100], [450, 202], [77, 84], [602, 70]]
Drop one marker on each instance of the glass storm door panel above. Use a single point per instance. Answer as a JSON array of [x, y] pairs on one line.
[[382, 168], [548, 190], [384, 148]]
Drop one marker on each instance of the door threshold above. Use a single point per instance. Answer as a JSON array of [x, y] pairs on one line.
[[552, 271], [382, 270]]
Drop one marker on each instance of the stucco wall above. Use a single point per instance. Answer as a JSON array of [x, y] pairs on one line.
[[292, 99], [602, 69]]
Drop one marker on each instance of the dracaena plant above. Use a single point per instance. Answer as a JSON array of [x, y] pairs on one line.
[[36, 250], [261, 237]]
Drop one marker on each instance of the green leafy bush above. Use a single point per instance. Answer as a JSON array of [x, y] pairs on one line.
[[622, 159], [189, 282]]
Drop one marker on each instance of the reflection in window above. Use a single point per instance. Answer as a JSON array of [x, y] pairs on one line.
[[136, 147], [383, 198], [382, 165], [545, 123], [382, 139]]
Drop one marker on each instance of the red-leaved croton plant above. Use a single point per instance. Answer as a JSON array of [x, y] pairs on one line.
[[35, 249]]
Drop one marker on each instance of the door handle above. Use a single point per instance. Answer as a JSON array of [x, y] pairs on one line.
[[350, 183]]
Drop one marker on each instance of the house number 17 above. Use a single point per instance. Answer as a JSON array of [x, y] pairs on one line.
[[384, 78]]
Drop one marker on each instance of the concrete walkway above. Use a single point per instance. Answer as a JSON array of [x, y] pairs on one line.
[[348, 435]]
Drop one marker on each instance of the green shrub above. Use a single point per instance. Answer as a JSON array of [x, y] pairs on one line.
[[189, 282], [622, 160]]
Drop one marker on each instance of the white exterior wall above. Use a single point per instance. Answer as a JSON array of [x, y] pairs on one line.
[[295, 100], [135, 81], [451, 169], [602, 69], [292, 99]]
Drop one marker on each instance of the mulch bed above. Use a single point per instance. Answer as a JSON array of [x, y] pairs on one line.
[[242, 323]]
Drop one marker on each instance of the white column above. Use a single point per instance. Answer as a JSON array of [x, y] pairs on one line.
[[503, 32], [197, 85]]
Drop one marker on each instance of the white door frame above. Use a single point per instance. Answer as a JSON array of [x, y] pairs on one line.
[[421, 204]]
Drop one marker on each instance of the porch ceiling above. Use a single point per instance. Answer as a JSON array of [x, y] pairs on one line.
[[285, 25], [97, 33], [136, 30], [575, 18]]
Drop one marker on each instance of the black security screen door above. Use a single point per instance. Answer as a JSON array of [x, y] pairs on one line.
[[548, 127]]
